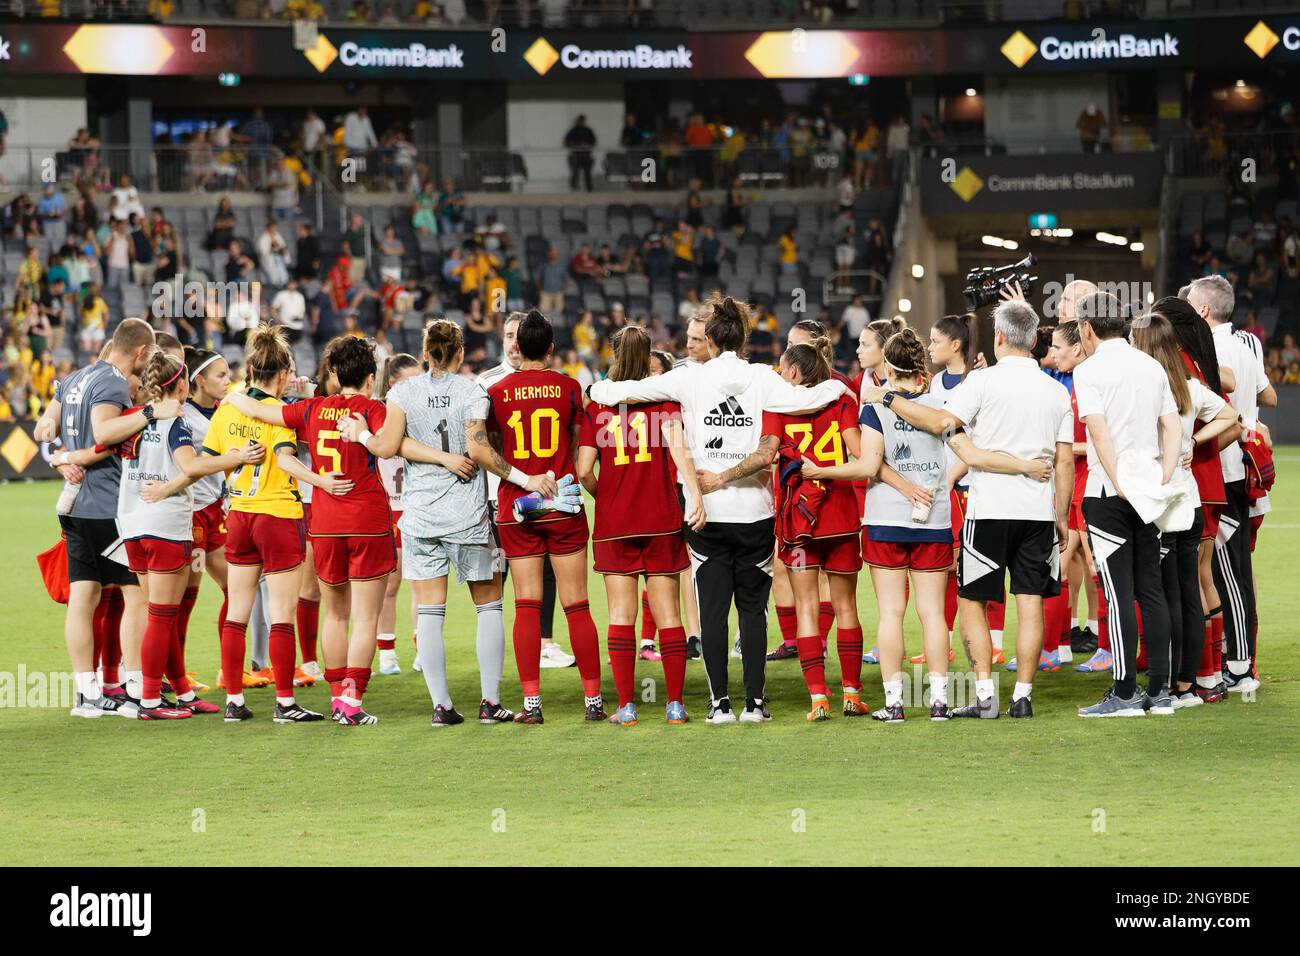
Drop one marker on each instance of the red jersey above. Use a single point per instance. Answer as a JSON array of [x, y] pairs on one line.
[[636, 486], [536, 413], [1206, 468], [819, 438], [1080, 437], [364, 510]]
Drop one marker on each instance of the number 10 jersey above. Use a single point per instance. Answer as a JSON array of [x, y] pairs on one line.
[[536, 413], [364, 510]]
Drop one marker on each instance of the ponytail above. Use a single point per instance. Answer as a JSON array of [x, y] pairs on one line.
[[905, 356], [811, 363], [162, 375]]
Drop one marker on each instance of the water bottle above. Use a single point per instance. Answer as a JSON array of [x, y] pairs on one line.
[[67, 497], [932, 483]]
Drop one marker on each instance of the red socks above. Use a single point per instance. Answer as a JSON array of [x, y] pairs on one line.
[[1103, 620], [528, 645], [1056, 612], [813, 663], [825, 618], [647, 620], [112, 657], [221, 615], [282, 658], [99, 626], [672, 649], [159, 633], [848, 644], [308, 627], [187, 607], [386, 644], [950, 601], [355, 682], [997, 612], [787, 620], [334, 676], [622, 660], [586, 646], [233, 635]]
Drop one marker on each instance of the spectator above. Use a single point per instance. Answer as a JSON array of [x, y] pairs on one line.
[[846, 193], [897, 143], [94, 321], [358, 133], [733, 211], [312, 138], [30, 271], [1290, 250], [1240, 248], [239, 265], [424, 218], [876, 260], [223, 226], [1090, 123], [789, 251], [550, 284], [654, 251], [580, 140], [514, 285], [53, 304], [289, 308], [451, 207], [83, 215], [126, 200], [683, 249], [695, 204], [709, 254], [699, 144], [52, 208], [583, 265], [761, 340], [355, 240], [866, 154], [1262, 280], [307, 256], [142, 265], [492, 234], [282, 184], [855, 317], [273, 254], [632, 134], [117, 253]]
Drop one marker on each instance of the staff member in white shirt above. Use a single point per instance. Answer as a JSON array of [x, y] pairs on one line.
[[1011, 521], [723, 401], [1213, 299], [1133, 426]]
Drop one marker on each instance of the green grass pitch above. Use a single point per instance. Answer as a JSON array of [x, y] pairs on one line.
[[1221, 782]]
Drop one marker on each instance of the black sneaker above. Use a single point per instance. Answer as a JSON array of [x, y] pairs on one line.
[[939, 711], [720, 713], [237, 712], [489, 713], [1083, 641], [694, 648], [983, 709], [295, 713], [103, 704], [890, 714], [755, 712], [529, 715], [446, 717], [595, 713], [1240, 683], [1021, 708]]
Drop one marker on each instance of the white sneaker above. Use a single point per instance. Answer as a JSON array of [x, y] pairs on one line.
[[735, 648], [553, 656], [1065, 654], [388, 662], [415, 665], [720, 713], [313, 670]]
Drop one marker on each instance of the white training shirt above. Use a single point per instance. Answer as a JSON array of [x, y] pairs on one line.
[[920, 458], [209, 488], [1130, 390], [391, 473], [941, 386], [1013, 408], [172, 518], [1248, 368], [723, 401]]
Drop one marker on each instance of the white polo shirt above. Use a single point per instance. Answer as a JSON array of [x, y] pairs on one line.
[[1130, 390], [1248, 368], [1013, 408]]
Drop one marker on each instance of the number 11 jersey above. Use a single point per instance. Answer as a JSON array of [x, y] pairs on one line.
[[536, 412], [364, 510]]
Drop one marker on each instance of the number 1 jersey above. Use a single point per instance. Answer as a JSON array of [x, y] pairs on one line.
[[363, 510], [535, 412]]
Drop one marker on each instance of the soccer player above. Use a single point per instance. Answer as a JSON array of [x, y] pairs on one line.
[[445, 520], [264, 527], [537, 412], [155, 517], [352, 535], [392, 473], [638, 526], [826, 542]]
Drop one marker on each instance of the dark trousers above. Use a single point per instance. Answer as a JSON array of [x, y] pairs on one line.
[[1182, 586], [733, 563], [580, 167], [1127, 555], [1234, 576]]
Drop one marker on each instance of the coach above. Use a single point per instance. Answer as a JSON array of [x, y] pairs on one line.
[[1234, 577], [723, 401], [1133, 431], [1011, 521]]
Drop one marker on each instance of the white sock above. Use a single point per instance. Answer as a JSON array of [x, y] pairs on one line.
[[1065, 654], [87, 684], [893, 692], [1092, 625], [188, 696], [997, 639], [1022, 690], [1237, 668], [532, 703], [1208, 682], [150, 701], [350, 701], [286, 701], [431, 651], [490, 643], [596, 701], [939, 688], [236, 699], [984, 688], [135, 683]]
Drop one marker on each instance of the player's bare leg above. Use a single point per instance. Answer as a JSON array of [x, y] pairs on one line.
[[387, 637], [366, 599], [135, 617], [686, 587], [307, 613], [890, 585], [928, 588]]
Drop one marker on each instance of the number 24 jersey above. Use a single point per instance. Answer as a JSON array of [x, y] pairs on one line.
[[364, 510], [535, 411]]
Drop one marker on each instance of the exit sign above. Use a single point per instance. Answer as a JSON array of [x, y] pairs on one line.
[[1042, 220]]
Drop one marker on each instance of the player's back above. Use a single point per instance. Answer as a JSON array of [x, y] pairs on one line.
[[363, 510], [535, 411], [819, 438], [263, 488], [636, 486]]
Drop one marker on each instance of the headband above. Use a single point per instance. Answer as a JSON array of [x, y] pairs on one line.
[[168, 383], [195, 374], [903, 371]]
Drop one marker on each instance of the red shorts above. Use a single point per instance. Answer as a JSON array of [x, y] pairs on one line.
[[649, 554], [1255, 522], [306, 518], [397, 532], [277, 544], [957, 501], [340, 558], [1210, 515], [1076, 516], [530, 539], [158, 555], [908, 555], [839, 555], [210, 527]]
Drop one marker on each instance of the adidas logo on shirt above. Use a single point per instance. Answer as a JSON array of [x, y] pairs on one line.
[[728, 414]]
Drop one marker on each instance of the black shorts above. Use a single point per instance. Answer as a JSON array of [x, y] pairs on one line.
[[87, 540], [992, 546]]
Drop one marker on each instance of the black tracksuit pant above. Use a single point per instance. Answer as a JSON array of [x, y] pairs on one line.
[[1182, 585], [1234, 576], [1127, 554], [733, 564]]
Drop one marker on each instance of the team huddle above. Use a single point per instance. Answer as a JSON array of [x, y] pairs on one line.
[[1122, 461]]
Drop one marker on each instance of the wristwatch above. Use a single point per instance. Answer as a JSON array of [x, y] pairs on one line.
[[888, 398], [147, 412]]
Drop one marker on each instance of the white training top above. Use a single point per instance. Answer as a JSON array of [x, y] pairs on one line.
[[209, 488], [1248, 368], [391, 473], [172, 518], [1013, 408], [487, 379], [1130, 390], [943, 385], [919, 457]]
